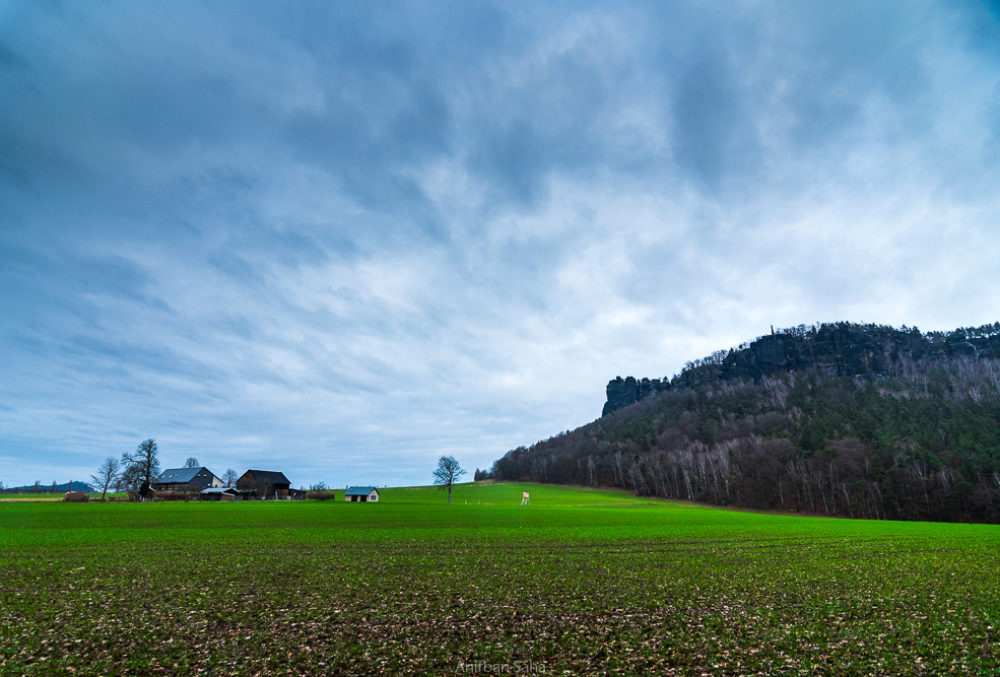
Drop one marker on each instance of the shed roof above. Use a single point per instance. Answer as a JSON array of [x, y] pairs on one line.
[[269, 476], [179, 475], [360, 491]]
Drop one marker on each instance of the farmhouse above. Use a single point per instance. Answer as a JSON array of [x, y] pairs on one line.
[[186, 480], [361, 494], [264, 483]]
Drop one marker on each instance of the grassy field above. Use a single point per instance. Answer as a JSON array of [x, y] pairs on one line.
[[578, 582]]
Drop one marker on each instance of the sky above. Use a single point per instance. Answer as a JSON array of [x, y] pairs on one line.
[[343, 239]]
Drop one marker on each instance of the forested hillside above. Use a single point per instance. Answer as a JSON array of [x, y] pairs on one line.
[[862, 421]]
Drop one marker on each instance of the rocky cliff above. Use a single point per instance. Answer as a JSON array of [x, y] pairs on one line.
[[622, 392]]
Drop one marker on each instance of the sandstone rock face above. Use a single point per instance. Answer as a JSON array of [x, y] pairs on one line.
[[839, 349], [623, 392]]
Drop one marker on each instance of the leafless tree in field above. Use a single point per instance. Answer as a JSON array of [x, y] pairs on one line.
[[141, 467], [107, 475], [447, 473]]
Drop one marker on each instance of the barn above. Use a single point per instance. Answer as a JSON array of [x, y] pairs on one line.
[[361, 495], [185, 480], [264, 483]]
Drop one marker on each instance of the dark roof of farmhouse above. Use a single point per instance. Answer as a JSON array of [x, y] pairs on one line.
[[179, 475], [269, 476], [359, 491]]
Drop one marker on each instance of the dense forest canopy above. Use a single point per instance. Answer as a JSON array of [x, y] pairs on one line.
[[839, 419]]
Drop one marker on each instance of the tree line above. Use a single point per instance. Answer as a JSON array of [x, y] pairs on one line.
[[839, 348]]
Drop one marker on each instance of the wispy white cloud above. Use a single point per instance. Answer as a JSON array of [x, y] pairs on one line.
[[344, 240]]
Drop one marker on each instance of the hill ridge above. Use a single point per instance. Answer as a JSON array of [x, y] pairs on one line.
[[838, 348], [838, 419]]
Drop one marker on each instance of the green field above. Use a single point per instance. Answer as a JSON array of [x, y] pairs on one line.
[[578, 582]]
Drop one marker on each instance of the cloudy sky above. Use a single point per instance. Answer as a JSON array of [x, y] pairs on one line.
[[341, 239]]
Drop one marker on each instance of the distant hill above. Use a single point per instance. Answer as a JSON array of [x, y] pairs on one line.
[[49, 488], [839, 419]]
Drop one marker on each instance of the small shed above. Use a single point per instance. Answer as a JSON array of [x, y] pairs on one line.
[[185, 480], [361, 495], [264, 483], [221, 494]]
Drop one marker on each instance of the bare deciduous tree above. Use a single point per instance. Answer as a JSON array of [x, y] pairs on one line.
[[107, 475], [230, 477], [130, 480], [141, 467], [447, 472], [192, 462]]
